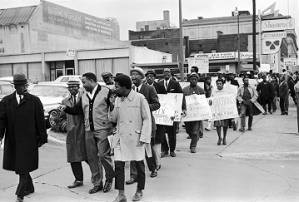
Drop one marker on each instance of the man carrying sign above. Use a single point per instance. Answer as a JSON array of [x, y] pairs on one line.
[[193, 128]]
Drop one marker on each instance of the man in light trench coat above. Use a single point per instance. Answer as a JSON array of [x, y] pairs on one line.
[[133, 133], [75, 139]]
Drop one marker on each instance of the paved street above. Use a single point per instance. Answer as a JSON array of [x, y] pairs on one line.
[[261, 165]]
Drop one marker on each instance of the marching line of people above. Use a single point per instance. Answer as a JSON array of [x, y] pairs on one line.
[[118, 120]]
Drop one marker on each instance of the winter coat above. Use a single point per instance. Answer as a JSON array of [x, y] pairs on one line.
[[133, 118], [23, 126], [75, 139]]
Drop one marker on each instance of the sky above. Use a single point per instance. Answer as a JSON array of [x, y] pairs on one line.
[[127, 12]]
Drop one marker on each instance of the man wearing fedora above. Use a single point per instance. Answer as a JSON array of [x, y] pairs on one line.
[[75, 139], [22, 124]]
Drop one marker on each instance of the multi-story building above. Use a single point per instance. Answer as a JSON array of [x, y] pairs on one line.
[[51, 27], [154, 24]]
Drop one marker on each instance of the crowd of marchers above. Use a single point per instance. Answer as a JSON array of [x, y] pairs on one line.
[[108, 126]]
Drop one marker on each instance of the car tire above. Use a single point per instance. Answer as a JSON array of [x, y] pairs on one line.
[[53, 116]]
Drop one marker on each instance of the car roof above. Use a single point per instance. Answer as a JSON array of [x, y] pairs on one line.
[[51, 83], [6, 82]]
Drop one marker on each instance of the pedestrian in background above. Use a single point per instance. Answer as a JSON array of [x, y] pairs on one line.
[[275, 85], [94, 106], [193, 128], [284, 95], [170, 86], [208, 91], [160, 130], [107, 78], [22, 123], [132, 115], [75, 139], [150, 94], [266, 94], [246, 96], [220, 123]]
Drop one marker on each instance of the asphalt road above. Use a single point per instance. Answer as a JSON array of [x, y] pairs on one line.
[[261, 165]]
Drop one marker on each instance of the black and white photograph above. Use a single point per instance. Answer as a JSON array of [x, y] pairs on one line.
[[149, 100]]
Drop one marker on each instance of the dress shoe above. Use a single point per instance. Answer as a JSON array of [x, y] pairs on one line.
[[75, 184], [265, 113], [242, 130], [249, 129], [219, 141], [224, 142], [137, 196], [158, 167], [154, 173], [207, 129], [234, 126], [120, 198], [173, 154], [96, 189], [131, 181], [164, 154], [193, 150], [107, 186], [20, 199]]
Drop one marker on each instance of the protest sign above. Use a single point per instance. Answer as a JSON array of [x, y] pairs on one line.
[[170, 109], [224, 107], [197, 108]]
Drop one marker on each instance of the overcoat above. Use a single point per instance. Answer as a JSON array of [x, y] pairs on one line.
[[24, 130], [133, 118], [75, 139]]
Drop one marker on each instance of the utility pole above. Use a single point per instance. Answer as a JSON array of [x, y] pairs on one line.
[[254, 34], [238, 38], [181, 53]]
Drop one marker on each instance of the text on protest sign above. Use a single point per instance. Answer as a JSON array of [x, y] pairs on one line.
[[224, 107], [170, 109], [197, 108]]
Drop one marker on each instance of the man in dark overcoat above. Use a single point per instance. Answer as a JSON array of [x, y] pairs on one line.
[[171, 86], [22, 125]]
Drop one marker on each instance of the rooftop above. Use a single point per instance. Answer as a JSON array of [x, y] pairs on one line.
[[18, 15]]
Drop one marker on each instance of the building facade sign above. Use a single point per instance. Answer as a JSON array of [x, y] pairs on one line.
[[271, 42], [200, 61], [290, 61], [226, 55], [58, 15], [279, 24]]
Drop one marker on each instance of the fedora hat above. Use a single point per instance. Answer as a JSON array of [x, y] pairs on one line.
[[139, 70], [19, 79], [73, 82], [150, 72]]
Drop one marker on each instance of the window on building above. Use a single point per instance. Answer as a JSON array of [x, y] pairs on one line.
[[141, 29], [158, 28], [166, 43], [146, 27], [213, 51]]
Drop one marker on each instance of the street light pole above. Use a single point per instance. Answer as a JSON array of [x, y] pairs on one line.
[[254, 34], [181, 54]]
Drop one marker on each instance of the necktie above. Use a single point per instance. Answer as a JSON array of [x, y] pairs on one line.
[[137, 89], [74, 97], [166, 84], [20, 96]]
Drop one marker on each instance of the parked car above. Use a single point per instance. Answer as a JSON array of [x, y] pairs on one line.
[[51, 95], [66, 78], [6, 88]]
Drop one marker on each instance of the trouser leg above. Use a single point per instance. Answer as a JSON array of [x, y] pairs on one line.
[[25, 184], [282, 105], [105, 158], [133, 170], [164, 144], [151, 163], [194, 133], [140, 175], [157, 152], [119, 175], [92, 158], [242, 115], [77, 170], [172, 137]]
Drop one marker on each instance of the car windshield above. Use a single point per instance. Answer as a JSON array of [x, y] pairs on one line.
[[6, 89], [49, 91]]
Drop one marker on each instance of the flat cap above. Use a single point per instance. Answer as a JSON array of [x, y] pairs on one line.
[[106, 74], [193, 74]]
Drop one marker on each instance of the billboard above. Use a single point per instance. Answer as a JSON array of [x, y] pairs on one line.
[[278, 24], [59, 15], [271, 42]]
